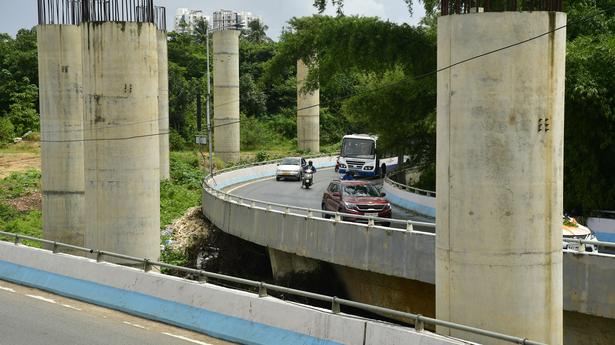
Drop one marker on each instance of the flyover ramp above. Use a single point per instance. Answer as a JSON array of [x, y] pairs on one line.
[[289, 192], [404, 253]]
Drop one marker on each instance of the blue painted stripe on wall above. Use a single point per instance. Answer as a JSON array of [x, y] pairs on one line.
[[197, 319]]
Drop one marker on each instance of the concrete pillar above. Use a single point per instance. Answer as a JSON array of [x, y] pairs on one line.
[[308, 113], [61, 107], [226, 95], [284, 264], [163, 104], [122, 178], [499, 175]]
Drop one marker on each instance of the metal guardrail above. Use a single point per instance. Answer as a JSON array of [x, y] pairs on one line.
[[402, 186], [302, 211], [336, 303], [582, 243]]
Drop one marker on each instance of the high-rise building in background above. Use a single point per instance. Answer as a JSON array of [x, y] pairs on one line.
[[186, 19], [233, 19]]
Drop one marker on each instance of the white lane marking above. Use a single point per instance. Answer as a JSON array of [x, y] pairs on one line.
[[41, 298], [71, 307], [135, 325], [186, 339], [261, 180], [6, 289]]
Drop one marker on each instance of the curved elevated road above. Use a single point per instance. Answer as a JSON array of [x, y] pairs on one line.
[[289, 192]]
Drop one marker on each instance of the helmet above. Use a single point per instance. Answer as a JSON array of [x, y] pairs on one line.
[[309, 162]]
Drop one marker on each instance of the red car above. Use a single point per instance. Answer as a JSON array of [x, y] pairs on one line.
[[356, 197]]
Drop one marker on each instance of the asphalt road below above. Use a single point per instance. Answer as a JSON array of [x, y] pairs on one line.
[[32, 317], [289, 192]]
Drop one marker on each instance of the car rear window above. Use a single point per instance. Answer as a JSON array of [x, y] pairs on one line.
[[360, 190]]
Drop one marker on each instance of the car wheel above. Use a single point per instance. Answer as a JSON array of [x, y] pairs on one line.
[[277, 178], [324, 215]]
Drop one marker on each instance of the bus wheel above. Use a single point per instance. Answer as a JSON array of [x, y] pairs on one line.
[[383, 170]]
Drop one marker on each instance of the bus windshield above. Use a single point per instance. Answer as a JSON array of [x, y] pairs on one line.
[[358, 148]]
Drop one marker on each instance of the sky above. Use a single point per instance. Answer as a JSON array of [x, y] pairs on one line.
[[17, 14]]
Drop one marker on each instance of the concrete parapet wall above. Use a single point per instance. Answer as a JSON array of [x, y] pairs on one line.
[[224, 313], [422, 204]]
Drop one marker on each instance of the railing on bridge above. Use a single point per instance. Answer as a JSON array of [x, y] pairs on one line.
[[389, 179], [262, 288]]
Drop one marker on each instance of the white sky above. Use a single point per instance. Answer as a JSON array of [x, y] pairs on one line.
[[17, 14]]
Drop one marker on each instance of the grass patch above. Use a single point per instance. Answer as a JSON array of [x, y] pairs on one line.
[[11, 220]]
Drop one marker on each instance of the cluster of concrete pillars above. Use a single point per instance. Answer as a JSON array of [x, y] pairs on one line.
[[104, 133], [500, 129]]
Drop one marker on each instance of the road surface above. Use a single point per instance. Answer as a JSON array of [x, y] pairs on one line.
[[289, 192], [34, 317]]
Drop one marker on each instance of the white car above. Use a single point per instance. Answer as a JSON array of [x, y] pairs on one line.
[[290, 167], [574, 230]]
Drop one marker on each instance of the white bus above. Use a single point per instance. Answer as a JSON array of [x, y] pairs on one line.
[[359, 154]]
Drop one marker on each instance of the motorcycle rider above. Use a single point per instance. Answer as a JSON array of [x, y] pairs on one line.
[[349, 175], [309, 166]]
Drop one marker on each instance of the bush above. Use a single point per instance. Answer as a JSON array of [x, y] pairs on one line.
[[262, 156], [7, 130], [176, 141]]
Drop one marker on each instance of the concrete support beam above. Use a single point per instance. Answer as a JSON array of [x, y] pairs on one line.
[[308, 113], [163, 104], [61, 106], [122, 177], [226, 95], [499, 174]]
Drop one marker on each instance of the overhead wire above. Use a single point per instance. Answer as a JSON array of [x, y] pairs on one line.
[[412, 78]]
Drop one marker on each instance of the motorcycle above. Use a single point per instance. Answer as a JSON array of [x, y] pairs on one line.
[[308, 179]]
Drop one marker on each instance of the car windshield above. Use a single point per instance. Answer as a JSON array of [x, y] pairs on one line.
[[360, 190], [358, 148], [290, 161]]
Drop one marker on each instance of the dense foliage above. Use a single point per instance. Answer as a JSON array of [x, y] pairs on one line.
[[371, 75], [18, 85], [589, 178]]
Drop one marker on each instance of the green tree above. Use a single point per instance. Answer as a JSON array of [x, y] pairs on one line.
[[589, 182]]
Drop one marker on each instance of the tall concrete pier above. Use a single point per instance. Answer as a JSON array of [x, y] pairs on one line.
[[61, 109], [308, 113], [163, 103], [122, 177], [226, 95], [499, 174]]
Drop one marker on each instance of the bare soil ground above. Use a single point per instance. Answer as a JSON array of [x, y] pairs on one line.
[[19, 157], [30, 202]]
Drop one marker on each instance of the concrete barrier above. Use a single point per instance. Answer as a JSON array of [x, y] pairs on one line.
[[422, 204], [220, 312]]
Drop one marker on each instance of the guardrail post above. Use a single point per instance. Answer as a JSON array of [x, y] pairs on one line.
[[581, 247], [409, 226], [55, 247], [269, 207], [147, 266], [338, 218], [99, 256], [252, 204], [16, 239], [286, 210], [240, 201], [335, 306], [309, 213], [419, 326], [262, 290], [370, 222]]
